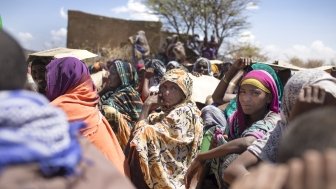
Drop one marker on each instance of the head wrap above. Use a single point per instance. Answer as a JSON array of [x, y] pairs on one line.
[[270, 70], [127, 73], [159, 69], [181, 79], [203, 60], [65, 74], [267, 81]]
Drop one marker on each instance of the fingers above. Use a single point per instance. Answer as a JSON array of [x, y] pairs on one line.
[[152, 93], [189, 175], [312, 94], [330, 165], [314, 176], [266, 176], [271, 177], [308, 94], [295, 176]]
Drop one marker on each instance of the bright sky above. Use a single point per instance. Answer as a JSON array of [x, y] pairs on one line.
[[283, 29]]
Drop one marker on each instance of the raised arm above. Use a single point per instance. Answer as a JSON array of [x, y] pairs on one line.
[[226, 81]]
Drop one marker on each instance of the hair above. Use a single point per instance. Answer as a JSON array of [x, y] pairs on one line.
[[314, 130], [12, 62]]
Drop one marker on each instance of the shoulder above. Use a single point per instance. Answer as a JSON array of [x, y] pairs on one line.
[[271, 118]]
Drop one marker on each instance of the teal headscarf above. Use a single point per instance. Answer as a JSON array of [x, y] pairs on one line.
[[232, 106]]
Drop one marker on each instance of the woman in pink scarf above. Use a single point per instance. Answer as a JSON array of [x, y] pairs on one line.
[[257, 114]]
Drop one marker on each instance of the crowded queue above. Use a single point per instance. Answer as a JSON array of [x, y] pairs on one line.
[[143, 129]]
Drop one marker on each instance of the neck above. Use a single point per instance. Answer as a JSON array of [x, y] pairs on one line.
[[257, 116]]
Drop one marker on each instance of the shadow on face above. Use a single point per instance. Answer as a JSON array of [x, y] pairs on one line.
[[253, 100], [38, 72], [170, 94]]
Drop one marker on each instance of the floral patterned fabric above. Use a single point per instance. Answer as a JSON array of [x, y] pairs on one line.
[[168, 141]]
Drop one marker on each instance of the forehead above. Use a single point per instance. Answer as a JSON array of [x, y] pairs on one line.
[[248, 87], [168, 84], [202, 63], [38, 67]]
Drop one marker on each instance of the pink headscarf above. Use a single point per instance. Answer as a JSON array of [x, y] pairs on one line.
[[237, 120]]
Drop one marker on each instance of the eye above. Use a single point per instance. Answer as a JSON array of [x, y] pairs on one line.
[[256, 93]]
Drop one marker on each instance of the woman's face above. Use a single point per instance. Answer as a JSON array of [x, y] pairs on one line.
[[253, 100], [38, 73], [202, 68], [170, 94], [112, 80]]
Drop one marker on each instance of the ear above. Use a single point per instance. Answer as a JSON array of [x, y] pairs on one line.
[[269, 98]]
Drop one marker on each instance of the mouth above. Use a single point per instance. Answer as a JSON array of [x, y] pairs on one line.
[[246, 106]]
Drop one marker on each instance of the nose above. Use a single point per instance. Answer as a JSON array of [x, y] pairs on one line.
[[166, 93], [245, 98]]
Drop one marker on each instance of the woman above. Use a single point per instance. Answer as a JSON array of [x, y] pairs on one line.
[[69, 87], [121, 104], [165, 143], [232, 106], [257, 114], [259, 150], [202, 66]]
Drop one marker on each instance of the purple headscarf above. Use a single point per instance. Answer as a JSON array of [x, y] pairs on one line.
[[267, 80], [64, 74]]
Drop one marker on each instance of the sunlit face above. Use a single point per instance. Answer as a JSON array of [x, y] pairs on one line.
[[253, 100], [38, 73], [170, 94], [202, 68], [112, 79]]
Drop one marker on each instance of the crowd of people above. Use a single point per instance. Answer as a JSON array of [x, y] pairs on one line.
[[262, 128]]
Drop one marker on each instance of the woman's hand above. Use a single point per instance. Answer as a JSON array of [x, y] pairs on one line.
[[241, 63], [195, 166], [149, 73], [196, 74], [311, 97], [151, 103], [153, 99], [265, 176]]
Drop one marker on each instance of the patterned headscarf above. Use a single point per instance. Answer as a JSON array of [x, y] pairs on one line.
[[159, 69], [200, 60], [237, 120], [125, 98], [65, 74], [127, 74], [31, 130], [181, 79]]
